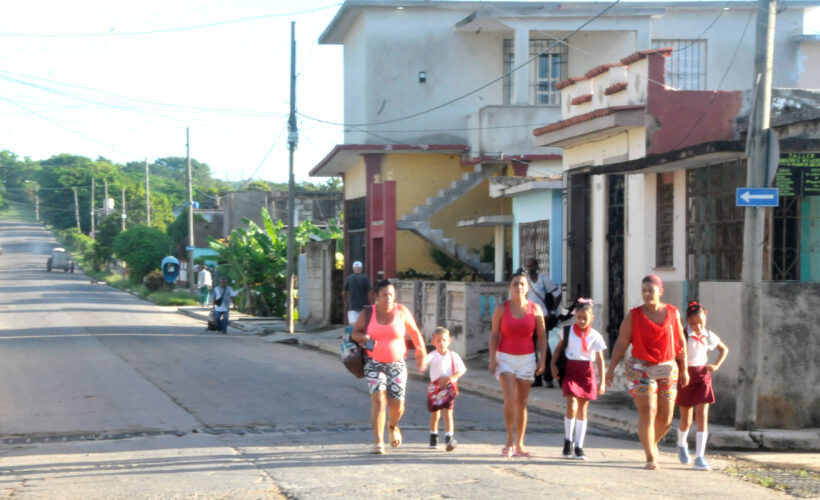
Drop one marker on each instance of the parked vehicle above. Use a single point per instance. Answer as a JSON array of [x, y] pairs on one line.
[[60, 259]]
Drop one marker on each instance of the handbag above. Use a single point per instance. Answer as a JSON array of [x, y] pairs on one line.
[[353, 355], [665, 369], [440, 397]]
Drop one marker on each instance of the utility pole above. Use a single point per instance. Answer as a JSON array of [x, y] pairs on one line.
[[751, 316], [92, 207], [190, 215], [37, 200], [147, 197], [77, 211], [123, 209], [105, 202], [293, 139]]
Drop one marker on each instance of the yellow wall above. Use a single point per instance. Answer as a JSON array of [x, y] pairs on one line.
[[421, 176], [630, 143], [355, 185]]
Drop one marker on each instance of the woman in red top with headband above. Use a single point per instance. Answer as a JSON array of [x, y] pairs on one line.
[[656, 333], [513, 361]]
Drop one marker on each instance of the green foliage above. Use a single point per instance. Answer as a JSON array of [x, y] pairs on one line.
[[154, 280], [178, 231], [142, 248], [172, 298], [453, 269], [108, 229]]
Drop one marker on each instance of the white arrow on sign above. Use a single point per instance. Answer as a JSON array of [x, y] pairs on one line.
[[747, 196]]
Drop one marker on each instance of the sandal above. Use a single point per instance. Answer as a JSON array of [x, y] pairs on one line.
[[395, 436], [378, 449], [507, 451], [522, 453]]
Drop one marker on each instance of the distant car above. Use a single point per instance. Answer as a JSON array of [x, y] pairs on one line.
[[60, 259]]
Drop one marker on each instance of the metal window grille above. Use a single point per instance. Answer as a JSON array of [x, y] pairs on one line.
[[714, 225], [686, 67], [664, 221], [785, 239], [534, 242], [355, 214], [549, 68]]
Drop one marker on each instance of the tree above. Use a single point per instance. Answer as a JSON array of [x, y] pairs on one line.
[[142, 248]]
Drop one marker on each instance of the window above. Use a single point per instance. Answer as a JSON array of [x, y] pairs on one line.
[[785, 239], [686, 67], [534, 242], [664, 220], [714, 225], [548, 68]]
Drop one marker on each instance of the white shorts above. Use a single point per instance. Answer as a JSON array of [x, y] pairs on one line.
[[520, 365], [352, 316]]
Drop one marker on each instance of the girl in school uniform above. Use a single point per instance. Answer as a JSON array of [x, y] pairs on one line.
[[585, 347], [698, 394]]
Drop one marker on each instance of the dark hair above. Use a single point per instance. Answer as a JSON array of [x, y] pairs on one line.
[[519, 272], [378, 285], [694, 308]]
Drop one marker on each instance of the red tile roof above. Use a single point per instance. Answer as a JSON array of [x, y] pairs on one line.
[[569, 81], [641, 54], [581, 99], [603, 68], [598, 113], [615, 88]]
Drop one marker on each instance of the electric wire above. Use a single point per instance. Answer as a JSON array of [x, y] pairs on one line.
[[168, 30]]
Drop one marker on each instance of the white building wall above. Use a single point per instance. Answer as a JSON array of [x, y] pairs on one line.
[[355, 89], [636, 256], [599, 256]]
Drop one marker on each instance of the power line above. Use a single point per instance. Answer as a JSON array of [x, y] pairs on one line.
[[478, 89], [168, 30]]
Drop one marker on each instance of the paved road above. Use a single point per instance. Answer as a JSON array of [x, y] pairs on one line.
[[103, 395]]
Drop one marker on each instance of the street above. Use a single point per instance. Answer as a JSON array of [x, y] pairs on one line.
[[105, 395]]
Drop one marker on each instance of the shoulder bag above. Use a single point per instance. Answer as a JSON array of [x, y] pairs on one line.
[[351, 352]]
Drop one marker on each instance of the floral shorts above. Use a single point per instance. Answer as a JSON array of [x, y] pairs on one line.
[[640, 384], [390, 377]]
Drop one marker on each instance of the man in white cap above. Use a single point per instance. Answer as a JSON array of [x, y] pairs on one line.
[[355, 292]]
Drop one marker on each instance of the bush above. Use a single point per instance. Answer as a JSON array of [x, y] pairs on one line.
[[142, 248], [154, 281]]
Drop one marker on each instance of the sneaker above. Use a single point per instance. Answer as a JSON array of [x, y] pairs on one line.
[[551, 384], [700, 464], [433, 441], [579, 454], [567, 453], [451, 443], [683, 455]]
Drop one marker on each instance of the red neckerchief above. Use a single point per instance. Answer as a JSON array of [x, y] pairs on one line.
[[699, 340], [582, 334]]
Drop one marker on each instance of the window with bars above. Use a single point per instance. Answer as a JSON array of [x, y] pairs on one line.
[[714, 225], [785, 239], [664, 220], [686, 67], [549, 67], [534, 242]]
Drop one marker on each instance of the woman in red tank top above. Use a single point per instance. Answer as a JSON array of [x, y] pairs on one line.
[[656, 334], [513, 360]]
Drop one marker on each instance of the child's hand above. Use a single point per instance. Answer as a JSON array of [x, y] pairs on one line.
[[610, 377], [711, 368], [554, 371], [602, 388], [443, 381]]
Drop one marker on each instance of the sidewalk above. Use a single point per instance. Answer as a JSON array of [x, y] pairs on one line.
[[613, 412]]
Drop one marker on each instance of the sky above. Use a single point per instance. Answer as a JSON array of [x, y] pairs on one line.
[[124, 79]]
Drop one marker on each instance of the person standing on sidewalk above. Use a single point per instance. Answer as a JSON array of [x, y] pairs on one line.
[[698, 393], [356, 292], [546, 294], [658, 357], [204, 282], [223, 297], [513, 361]]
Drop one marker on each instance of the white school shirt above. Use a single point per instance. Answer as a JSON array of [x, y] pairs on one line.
[[441, 366], [575, 350], [696, 351]]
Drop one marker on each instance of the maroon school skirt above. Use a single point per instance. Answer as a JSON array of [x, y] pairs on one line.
[[579, 380], [699, 391]]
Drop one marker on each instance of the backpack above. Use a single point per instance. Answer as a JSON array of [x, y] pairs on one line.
[[561, 362]]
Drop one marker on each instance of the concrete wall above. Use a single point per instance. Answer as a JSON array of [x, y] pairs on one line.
[[316, 293], [808, 60], [790, 374], [533, 207]]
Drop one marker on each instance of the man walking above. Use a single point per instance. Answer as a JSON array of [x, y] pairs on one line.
[[546, 294], [223, 297], [355, 292], [204, 282]]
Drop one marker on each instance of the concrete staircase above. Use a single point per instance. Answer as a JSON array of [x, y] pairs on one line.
[[417, 221]]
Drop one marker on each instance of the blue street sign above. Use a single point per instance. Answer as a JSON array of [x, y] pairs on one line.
[[188, 248], [757, 197]]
